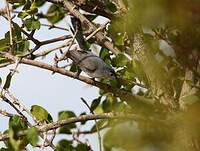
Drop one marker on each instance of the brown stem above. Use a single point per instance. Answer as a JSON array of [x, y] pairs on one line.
[[99, 35], [118, 92]]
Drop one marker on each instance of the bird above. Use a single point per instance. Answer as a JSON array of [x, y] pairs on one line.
[[91, 64]]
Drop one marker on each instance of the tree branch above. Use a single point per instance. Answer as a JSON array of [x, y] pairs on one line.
[[99, 35], [116, 91], [18, 106], [60, 123]]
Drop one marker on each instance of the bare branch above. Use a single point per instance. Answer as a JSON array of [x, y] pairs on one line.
[[53, 26], [55, 40], [46, 52], [4, 113], [18, 106], [99, 35], [70, 45], [60, 123], [10, 22], [116, 91]]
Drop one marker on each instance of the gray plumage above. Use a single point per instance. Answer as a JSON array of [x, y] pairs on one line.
[[91, 64]]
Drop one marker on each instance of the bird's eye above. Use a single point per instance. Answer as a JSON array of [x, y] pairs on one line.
[[112, 74]]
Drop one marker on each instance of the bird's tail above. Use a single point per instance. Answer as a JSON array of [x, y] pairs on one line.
[[77, 29]]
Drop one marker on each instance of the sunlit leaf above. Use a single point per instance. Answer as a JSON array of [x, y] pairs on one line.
[[65, 115], [82, 147], [8, 81], [120, 60], [16, 124], [83, 122], [100, 124], [40, 113], [32, 136], [95, 103], [64, 145], [31, 24], [55, 14]]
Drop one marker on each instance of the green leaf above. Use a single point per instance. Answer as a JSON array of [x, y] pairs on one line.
[[22, 47], [40, 113], [104, 53], [65, 115], [138, 70], [4, 44], [82, 147], [3, 60], [8, 81], [101, 124], [83, 122], [27, 5], [95, 103], [0, 81], [55, 13], [119, 39], [33, 9], [120, 60], [16, 124], [111, 6], [16, 1], [74, 68], [64, 145], [32, 24], [39, 3], [22, 14], [107, 106], [32, 136]]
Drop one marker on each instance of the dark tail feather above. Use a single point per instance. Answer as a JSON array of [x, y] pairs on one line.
[[76, 23]]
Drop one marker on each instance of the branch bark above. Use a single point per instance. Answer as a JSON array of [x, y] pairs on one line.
[[116, 91], [60, 123], [99, 35]]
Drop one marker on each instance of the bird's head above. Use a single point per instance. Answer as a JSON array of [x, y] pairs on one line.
[[110, 73]]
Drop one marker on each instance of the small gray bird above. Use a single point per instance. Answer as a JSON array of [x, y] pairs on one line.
[[91, 64]]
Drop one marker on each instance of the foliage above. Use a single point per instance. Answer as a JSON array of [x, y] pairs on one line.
[[158, 60]]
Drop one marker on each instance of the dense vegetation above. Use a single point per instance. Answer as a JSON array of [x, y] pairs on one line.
[[154, 47]]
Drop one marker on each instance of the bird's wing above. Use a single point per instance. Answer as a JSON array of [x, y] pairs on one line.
[[89, 62]]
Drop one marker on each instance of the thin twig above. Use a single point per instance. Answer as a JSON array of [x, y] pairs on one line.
[[96, 31], [46, 52], [13, 102], [10, 22], [98, 131], [99, 35], [13, 71], [4, 113], [60, 123], [55, 39], [65, 54], [53, 26]]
